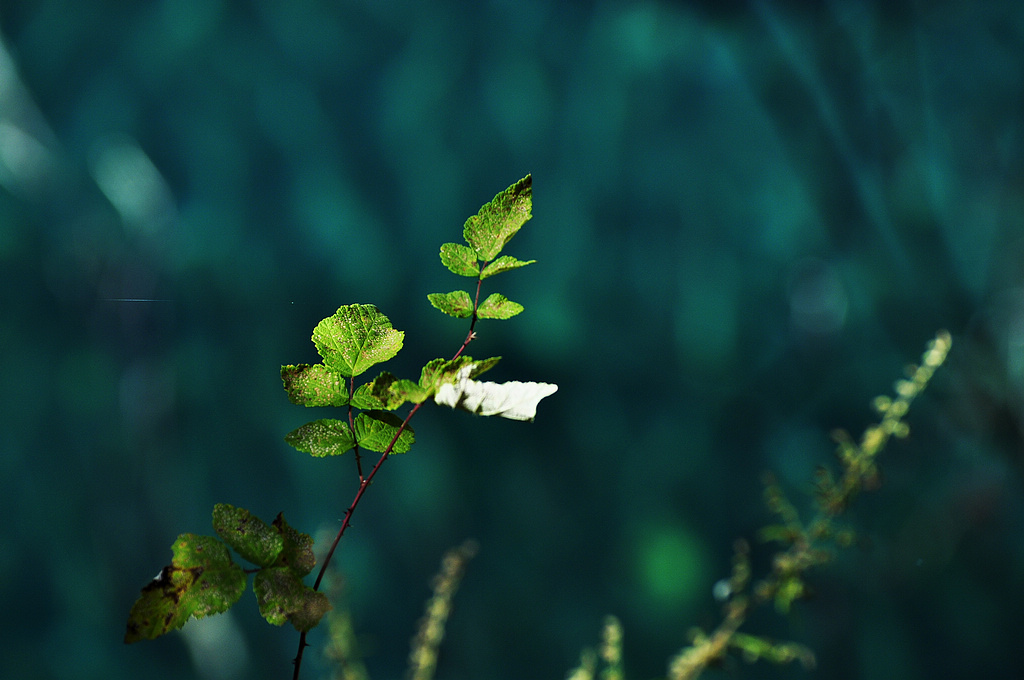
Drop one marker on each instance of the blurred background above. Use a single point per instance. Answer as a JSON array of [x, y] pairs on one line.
[[748, 217]]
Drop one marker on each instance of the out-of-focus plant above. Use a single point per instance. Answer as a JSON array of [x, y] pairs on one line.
[[803, 544]]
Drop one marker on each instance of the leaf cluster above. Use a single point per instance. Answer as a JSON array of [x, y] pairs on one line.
[[348, 349], [203, 579], [357, 337], [487, 232]]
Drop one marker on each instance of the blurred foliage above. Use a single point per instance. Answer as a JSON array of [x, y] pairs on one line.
[[753, 213], [805, 544]]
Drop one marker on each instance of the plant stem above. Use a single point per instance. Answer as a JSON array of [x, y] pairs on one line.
[[471, 335], [352, 426]]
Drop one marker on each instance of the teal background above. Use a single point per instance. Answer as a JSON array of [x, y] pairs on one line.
[[748, 218]]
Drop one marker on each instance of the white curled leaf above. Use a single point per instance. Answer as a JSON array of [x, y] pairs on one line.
[[514, 400]]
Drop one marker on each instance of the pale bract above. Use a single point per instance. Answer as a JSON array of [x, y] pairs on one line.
[[514, 400]]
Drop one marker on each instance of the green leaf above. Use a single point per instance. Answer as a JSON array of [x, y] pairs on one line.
[[497, 306], [498, 221], [314, 385], [200, 580], [376, 429], [325, 437], [251, 537], [363, 397], [456, 303], [297, 550], [388, 392], [503, 264], [283, 596], [460, 259], [441, 371], [355, 338]]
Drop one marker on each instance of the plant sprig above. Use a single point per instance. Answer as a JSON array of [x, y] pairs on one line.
[[805, 545], [203, 579]]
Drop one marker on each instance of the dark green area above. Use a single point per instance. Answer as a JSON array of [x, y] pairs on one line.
[[748, 217]]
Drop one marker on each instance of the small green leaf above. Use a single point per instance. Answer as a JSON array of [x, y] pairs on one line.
[[388, 392], [363, 397], [456, 303], [282, 596], [250, 536], [441, 371], [460, 259], [297, 550], [503, 264], [200, 580], [498, 221], [497, 306], [355, 338], [376, 429], [325, 437], [314, 385]]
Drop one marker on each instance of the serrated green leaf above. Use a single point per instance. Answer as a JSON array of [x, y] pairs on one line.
[[376, 429], [405, 390], [456, 303], [314, 385], [251, 537], [388, 392], [503, 264], [460, 259], [355, 338], [282, 596], [200, 580], [363, 397], [441, 371], [297, 550], [325, 437], [437, 371], [490, 229], [497, 306]]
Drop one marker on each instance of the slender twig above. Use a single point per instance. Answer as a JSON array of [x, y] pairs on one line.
[[471, 335], [352, 426]]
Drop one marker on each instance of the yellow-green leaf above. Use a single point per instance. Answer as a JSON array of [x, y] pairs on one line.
[[355, 338], [460, 259], [200, 580], [314, 385], [456, 303], [282, 596], [324, 437], [490, 229], [251, 537], [497, 306]]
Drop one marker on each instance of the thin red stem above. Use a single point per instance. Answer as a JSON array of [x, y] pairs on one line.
[[352, 427], [471, 335]]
